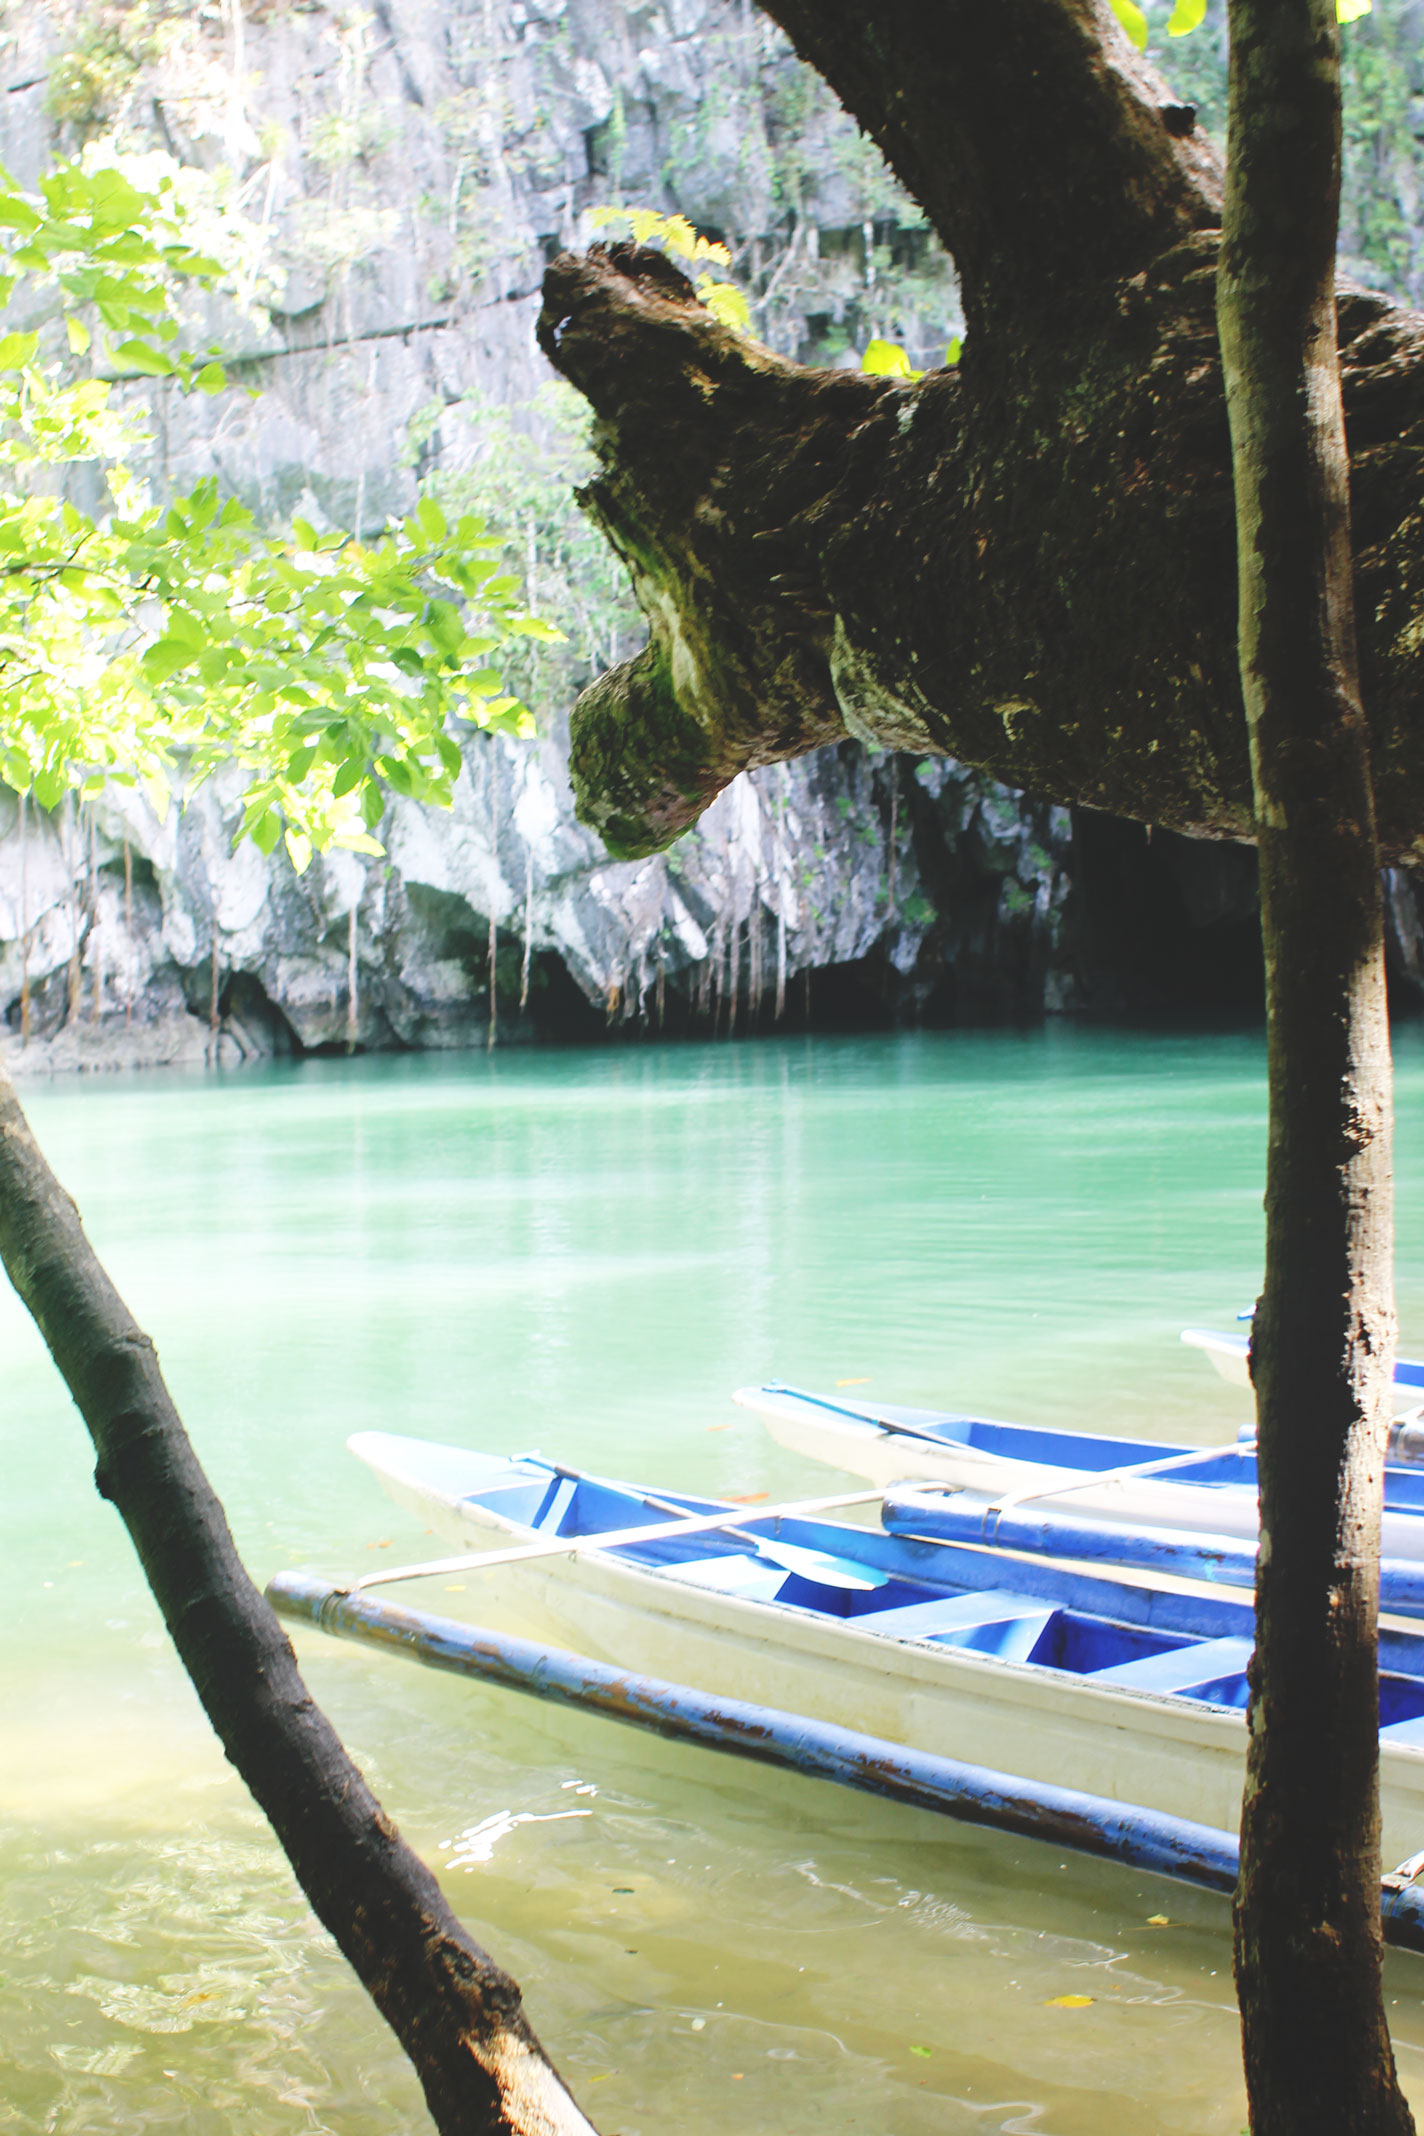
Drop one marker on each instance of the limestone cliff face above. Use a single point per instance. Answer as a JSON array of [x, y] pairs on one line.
[[411, 166], [411, 169], [116, 931]]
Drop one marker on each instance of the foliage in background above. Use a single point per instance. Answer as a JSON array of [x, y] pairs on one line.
[[150, 642], [523, 463], [1188, 15], [1382, 191]]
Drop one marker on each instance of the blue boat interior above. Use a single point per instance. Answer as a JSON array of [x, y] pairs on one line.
[[1233, 1466], [1042, 1616]]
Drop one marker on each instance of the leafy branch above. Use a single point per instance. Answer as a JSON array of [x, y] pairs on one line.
[[151, 643]]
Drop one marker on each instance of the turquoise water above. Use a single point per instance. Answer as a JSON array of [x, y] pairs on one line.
[[586, 1251]]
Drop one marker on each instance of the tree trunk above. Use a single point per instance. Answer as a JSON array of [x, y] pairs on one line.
[[1308, 1945], [457, 2016], [1024, 562]]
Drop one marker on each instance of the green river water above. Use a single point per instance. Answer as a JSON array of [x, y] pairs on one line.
[[586, 1251]]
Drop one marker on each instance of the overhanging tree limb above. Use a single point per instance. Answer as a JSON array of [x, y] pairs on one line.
[[1026, 562], [456, 2014]]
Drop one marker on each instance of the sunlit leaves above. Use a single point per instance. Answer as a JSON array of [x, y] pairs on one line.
[[673, 232], [153, 643], [1133, 21], [1189, 15], [886, 359], [726, 302], [677, 237]]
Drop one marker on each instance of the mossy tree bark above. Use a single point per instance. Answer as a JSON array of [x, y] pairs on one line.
[[456, 2014], [1308, 1945], [1025, 562]]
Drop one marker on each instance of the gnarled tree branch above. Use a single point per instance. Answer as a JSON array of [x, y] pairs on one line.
[[1027, 562]]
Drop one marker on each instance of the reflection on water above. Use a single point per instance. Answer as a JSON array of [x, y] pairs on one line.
[[587, 1252]]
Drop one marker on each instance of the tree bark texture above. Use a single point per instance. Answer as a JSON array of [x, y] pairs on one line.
[[1026, 562], [1308, 1946], [456, 2014]]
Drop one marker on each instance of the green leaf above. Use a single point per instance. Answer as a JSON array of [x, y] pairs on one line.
[[165, 658], [727, 304], [212, 378], [442, 620], [49, 785], [16, 350], [138, 356], [265, 831], [954, 349], [886, 359], [17, 214], [1351, 10], [432, 521], [352, 772], [79, 335], [116, 205], [1133, 21], [1186, 16]]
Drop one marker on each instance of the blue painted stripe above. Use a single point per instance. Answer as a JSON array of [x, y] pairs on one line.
[[1091, 1824]]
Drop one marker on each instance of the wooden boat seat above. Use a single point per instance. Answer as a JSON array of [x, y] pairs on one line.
[[1182, 1669]]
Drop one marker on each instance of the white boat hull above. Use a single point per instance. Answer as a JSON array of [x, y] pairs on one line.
[[1133, 1746], [886, 1458]]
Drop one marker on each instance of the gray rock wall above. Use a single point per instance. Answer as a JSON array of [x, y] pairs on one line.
[[115, 926], [411, 169]]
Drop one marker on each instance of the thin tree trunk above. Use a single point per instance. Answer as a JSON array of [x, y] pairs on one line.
[[1308, 1946], [456, 2014]]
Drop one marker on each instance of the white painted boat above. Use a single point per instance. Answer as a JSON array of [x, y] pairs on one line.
[[1138, 1483], [1132, 1692], [1229, 1356]]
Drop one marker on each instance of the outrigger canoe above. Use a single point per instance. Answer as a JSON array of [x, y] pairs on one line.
[[1137, 1483], [1135, 1693]]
